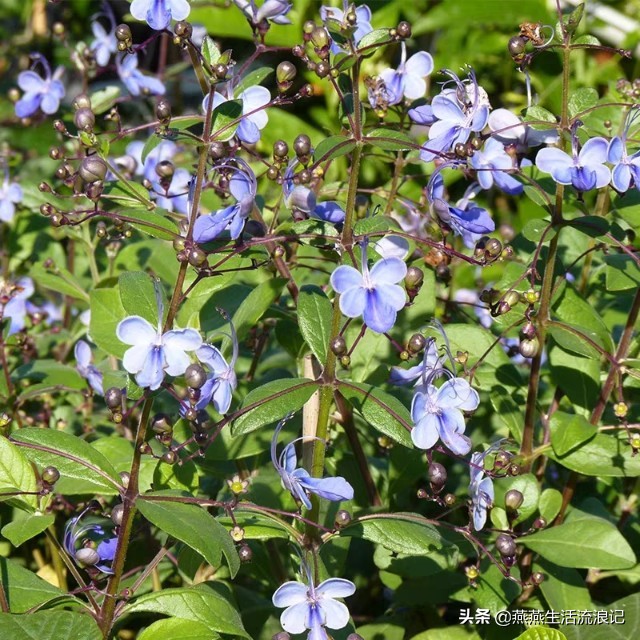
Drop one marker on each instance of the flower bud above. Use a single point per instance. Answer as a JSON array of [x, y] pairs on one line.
[[302, 145], [414, 278], [170, 457], [195, 376], [339, 346], [514, 469], [416, 343], [161, 423], [84, 119], [320, 38], [443, 273], [529, 348], [403, 29], [492, 249], [343, 518], [116, 514], [123, 34], [282, 635], [528, 331], [513, 500], [354, 636], [93, 168], [437, 475], [511, 298], [113, 398], [345, 361], [517, 46], [245, 553], [87, 556], [509, 561], [125, 477], [163, 111], [220, 71], [217, 150], [505, 545], [165, 169], [280, 149], [191, 414], [50, 475], [285, 72], [197, 257], [183, 29], [82, 101], [449, 499], [323, 69], [94, 190], [539, 523], [537, 577]]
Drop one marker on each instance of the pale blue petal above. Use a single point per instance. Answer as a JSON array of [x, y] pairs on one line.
[[345, 278], [152, 373], [615, 151], [136, 330], [447, 109], [556, 162], [419, 64], [583, 178], [393, 295], [451, 426], [253, 99], [457, 393], [334, 489], [50, 103], [402, 377], [422, 115], [378, 315], [336, 588], [425, 434], [134, 358], [294, 618], [180, 9], [222, 396], [289, 594], [211, 356], [82, 353], [28, 105], [594, 151], [31, 82], [329, 211], [334, 613], [388, 271], [158, 15], [621, 177], [248, 132]]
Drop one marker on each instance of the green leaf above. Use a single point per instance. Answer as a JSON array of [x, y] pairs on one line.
[[563, 587], [256, 526], [630, 608], [153, 223], [572, 308], [210, 51], [49, 625], [581, 100], [534, 230], [373, 38], [254, 306], [60, 280], [577, 339], [569, 431], [494, 591], [273, 401], [257, 76], [390, 140], [541, 633], [82, 468], [605, 455], [23, 529], [458, 632], [371, 224], [592, 226], [127, 193], [106, 312], [587, 39], [51, 373], [577, 376], [381, 410], [550, 504], [572, 21], [333, 147], [138, 295], [225, 120], [24, 589], [16, 473], [536, 115], [201, 604], [314, 317], [508, 411], [152, 142], [177, 629], [103, 99], [192, 525], [586, 543], [622, 273], [527, 485], [406, 533]]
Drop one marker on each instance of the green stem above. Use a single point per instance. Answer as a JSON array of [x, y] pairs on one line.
[[124, 533], [329, 372]]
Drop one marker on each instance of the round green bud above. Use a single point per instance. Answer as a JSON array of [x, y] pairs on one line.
[[93, 168], [50, 475], [343, 518], [285, 72], [116, 514], [84, 119], [302, 145], [513, 499]]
